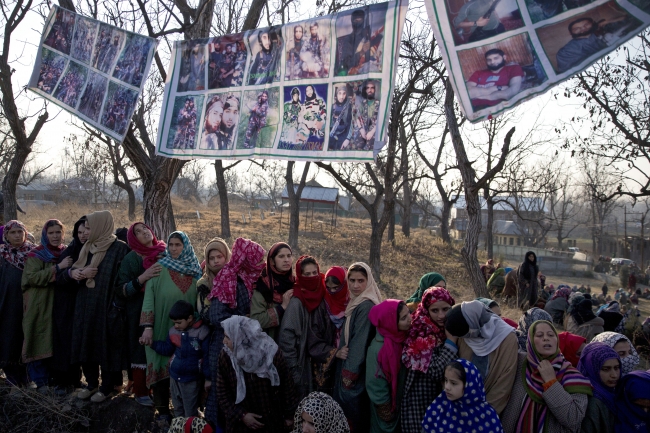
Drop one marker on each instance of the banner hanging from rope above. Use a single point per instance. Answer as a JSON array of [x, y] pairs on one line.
[[500, 53], [313, 90], [91, 69]]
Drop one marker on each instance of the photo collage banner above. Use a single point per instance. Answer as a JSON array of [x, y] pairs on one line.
[[318, 89], [91, 69], [500, 53]]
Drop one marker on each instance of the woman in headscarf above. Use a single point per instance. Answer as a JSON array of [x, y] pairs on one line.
[[138, 267], [462, 407], [490, 344], [274, 289], [67, 376], [308, 293], [384, 371], [432, 279], [427, 350], [496, 282], [255, 391], [633, 403], [571, 346], [176, 282], [602, 366], [611, 314], [98, 335], [525, 321], [496, 309], [549, 395], [230, 295], [527, 281], [623, 346], [349, 385], [582, 321], [38, 284], [558, 304], [488, 269], [326, 325], [319, 413], [215, 255], [13, 254]]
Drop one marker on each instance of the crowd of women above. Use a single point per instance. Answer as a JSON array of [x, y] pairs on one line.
[[292, 348]]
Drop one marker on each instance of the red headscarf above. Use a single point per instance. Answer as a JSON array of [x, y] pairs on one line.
[[337, 302], [569, 345], [149, 254], [425, 335], [310, 290], [384, 317]]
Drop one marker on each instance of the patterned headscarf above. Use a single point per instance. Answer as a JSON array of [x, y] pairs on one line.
[[149, 254], [427, 280], [526, 320], [193, 424], [186, 263], [562, 292], [425, 335], [46, 252], [100, 240], [593, 357], [15, 256], [253, 352], [336, 303], [630, 362], [327, 414], [631, 417], [468, 414], [245, 264], [534, 409], [371, 293]]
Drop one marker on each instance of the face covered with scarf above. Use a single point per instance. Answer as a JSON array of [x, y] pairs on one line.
[[427, 329], [16, 247], [623, 346], [337, 294], [598, 362], [310, 283], [319, 413]]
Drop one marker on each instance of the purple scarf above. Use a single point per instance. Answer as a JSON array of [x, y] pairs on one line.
[[592, 359]]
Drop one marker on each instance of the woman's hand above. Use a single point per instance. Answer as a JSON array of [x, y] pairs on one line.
[[547, 371], [65, 263], [76, 274], [207, 385], [153, 271], [286, 298], [88, 273], [342, 353], [288, 423], [147, 337], [250, 419]]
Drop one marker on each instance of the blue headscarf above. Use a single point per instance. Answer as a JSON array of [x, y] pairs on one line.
[[591, 361], [46, 252], [186, 263], [467, 414], [631, 417]]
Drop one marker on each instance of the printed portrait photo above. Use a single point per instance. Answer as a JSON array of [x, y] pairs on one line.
[[60, 35], [183, 130], [227, 57], [307, 49], [266, 47], [476, 20], [303, 117], [360, 40], [260, 118], [353, 115], [221, 121], [497, 72], [84, 39], [193, 63], [90, 104], [52, 66], [118, 108], [569, 43], [132, 62], [69, 89], [108, 45]]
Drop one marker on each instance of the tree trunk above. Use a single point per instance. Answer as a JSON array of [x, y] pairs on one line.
[[375, 247], [444, 222], [391, 228], [294, 202], [489, 238], [469, 250], [11, 180], [407, 199], [223, 198]]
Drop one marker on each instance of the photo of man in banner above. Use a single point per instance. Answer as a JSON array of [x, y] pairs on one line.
[[52, 65], [192, 74], [84, 39], [476, 20], [90, 104], [360, 40], [260, 118], [184, 125], [341, 117], [107, 47], [308, 50], [119, 106], [303, 119], [60, 34], [227, 60], [364, 115], [220, 122], [69, 89], [266, 47], [133, 60]]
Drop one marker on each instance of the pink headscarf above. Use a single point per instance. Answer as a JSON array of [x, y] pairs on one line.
[[384, 317], [149, 254]]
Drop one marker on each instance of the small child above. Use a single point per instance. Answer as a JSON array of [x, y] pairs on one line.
[[189, 343], [461, 407]]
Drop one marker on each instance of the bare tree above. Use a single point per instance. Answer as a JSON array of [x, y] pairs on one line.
[[268, 180], [599, 186], [294, 192], [566, 208]]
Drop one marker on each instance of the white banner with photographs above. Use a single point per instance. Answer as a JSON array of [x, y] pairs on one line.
[[313, 90], [91, 69], [502, 52]]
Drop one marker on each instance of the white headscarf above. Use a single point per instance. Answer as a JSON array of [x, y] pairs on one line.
[[371, 293], [630, 362], [486, 329], [253, 352]]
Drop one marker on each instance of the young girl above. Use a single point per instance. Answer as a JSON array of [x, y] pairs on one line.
[[462, 406], [633, 402]]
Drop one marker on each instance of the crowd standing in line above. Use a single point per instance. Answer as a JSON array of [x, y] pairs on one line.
[[251, 341]]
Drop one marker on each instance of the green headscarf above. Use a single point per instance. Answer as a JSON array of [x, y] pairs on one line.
[[494, 276], [487, 302], [427, 280]]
